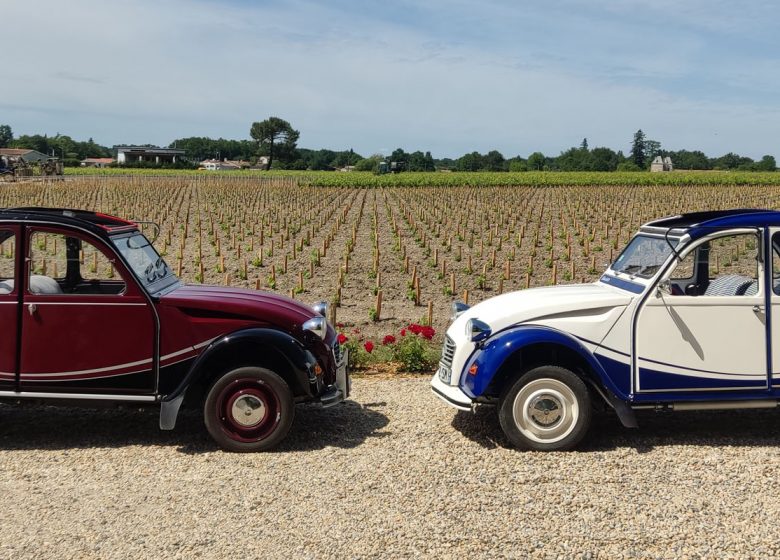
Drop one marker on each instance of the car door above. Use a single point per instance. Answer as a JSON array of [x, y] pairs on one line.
[[712, 335], [774, 298], [9, 305], [86, 325]]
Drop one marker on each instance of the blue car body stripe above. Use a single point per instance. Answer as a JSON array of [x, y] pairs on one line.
[[497, 349], [698, 370]]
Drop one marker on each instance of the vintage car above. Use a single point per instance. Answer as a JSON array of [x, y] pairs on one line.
[[91, 312], [684, 319]]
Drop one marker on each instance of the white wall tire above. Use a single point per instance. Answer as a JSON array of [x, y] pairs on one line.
[[546, 409]]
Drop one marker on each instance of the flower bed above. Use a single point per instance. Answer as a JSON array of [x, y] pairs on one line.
[[412, 349]]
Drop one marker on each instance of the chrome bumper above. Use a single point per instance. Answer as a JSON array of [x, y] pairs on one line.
[[343, 382], [339, 391], [453, 396]]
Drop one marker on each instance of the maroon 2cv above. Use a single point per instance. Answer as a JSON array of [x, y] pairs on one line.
[[91, 312]]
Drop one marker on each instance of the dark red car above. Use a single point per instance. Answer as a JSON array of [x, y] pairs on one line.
[[91, 312]]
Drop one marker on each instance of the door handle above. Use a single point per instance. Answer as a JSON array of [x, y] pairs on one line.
[[757, 309], [32, 308]]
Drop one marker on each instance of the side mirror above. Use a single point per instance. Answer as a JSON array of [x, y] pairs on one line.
[[664, 288]]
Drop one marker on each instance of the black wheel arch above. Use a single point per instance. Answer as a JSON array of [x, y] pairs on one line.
[[269, 348]]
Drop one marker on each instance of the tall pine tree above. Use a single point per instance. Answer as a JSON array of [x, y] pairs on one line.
[[638, 149]]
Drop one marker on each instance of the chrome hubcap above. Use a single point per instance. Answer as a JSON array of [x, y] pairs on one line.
[[545, 410], [248, 410]]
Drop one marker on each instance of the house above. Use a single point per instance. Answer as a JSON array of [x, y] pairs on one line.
[[97, 162], [262, 163], [661, 164], [23, 154], [223, 165], [134, 154]]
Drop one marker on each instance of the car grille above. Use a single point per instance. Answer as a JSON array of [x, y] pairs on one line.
[[337, 351], [448, 352]]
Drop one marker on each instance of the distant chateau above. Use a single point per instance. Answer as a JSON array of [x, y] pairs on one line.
[[662, 164]]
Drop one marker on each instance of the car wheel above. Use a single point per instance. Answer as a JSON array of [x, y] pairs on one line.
[[249, 409], [546, 409]]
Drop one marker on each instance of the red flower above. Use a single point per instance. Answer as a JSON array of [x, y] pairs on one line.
[[427, 332], [342, 338], [388, 339], [369, 346], [340, 325], [415, 328], [403, 332]]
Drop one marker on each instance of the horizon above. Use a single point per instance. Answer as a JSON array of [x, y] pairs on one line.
[[446, 77]]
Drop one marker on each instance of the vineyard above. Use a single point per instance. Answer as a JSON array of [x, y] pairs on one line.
[[385, 256], [477, 179]]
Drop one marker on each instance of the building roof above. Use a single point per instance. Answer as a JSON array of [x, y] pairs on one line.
[[149, 150], [98, 160], [14, 151]]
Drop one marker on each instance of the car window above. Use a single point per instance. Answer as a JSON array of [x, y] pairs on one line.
[[62, 264], [776, 263], [7, 261], [643, 257], [724, 266], [145, 262]]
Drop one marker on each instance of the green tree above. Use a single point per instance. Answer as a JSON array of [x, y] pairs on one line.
[[6, 135], [536, 161], [517, 164], [494, 161], [421, 162], [604, 159], [685, 159], [767, 163], [275, 136], [470, 162], [584, 144], [574, 159], [652, 149], [628, 166], [732, 161], [344, 159], [638, 149], [370, 163]]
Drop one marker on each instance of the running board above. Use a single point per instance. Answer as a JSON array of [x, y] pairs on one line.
[[76, 396], [709, 405]]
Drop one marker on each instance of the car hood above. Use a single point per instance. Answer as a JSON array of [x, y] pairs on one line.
[[545, 304], [240, 303]]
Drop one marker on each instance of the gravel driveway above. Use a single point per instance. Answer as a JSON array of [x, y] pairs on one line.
[[394, 473]]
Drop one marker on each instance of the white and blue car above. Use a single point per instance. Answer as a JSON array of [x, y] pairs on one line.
[[682, 320]]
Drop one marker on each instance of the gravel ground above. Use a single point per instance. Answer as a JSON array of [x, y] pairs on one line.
[[394, 473]]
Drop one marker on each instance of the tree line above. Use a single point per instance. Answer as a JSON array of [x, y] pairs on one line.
[[276, 140]]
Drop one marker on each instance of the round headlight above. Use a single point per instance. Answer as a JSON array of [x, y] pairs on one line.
[[477, 330], [321, 307], [458, 307], [317, 325]]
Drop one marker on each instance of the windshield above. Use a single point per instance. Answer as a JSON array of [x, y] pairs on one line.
[[147, 265], [643, 256]]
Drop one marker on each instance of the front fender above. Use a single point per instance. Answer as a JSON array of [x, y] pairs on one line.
[[289, 348], [489, 358]]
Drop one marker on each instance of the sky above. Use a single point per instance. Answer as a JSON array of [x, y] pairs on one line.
[[448, 77]]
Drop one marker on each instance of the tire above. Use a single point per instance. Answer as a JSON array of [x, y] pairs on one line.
[[249, 409], [546, 409]]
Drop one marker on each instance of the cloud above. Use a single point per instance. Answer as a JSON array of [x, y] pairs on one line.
[[441, 76]]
